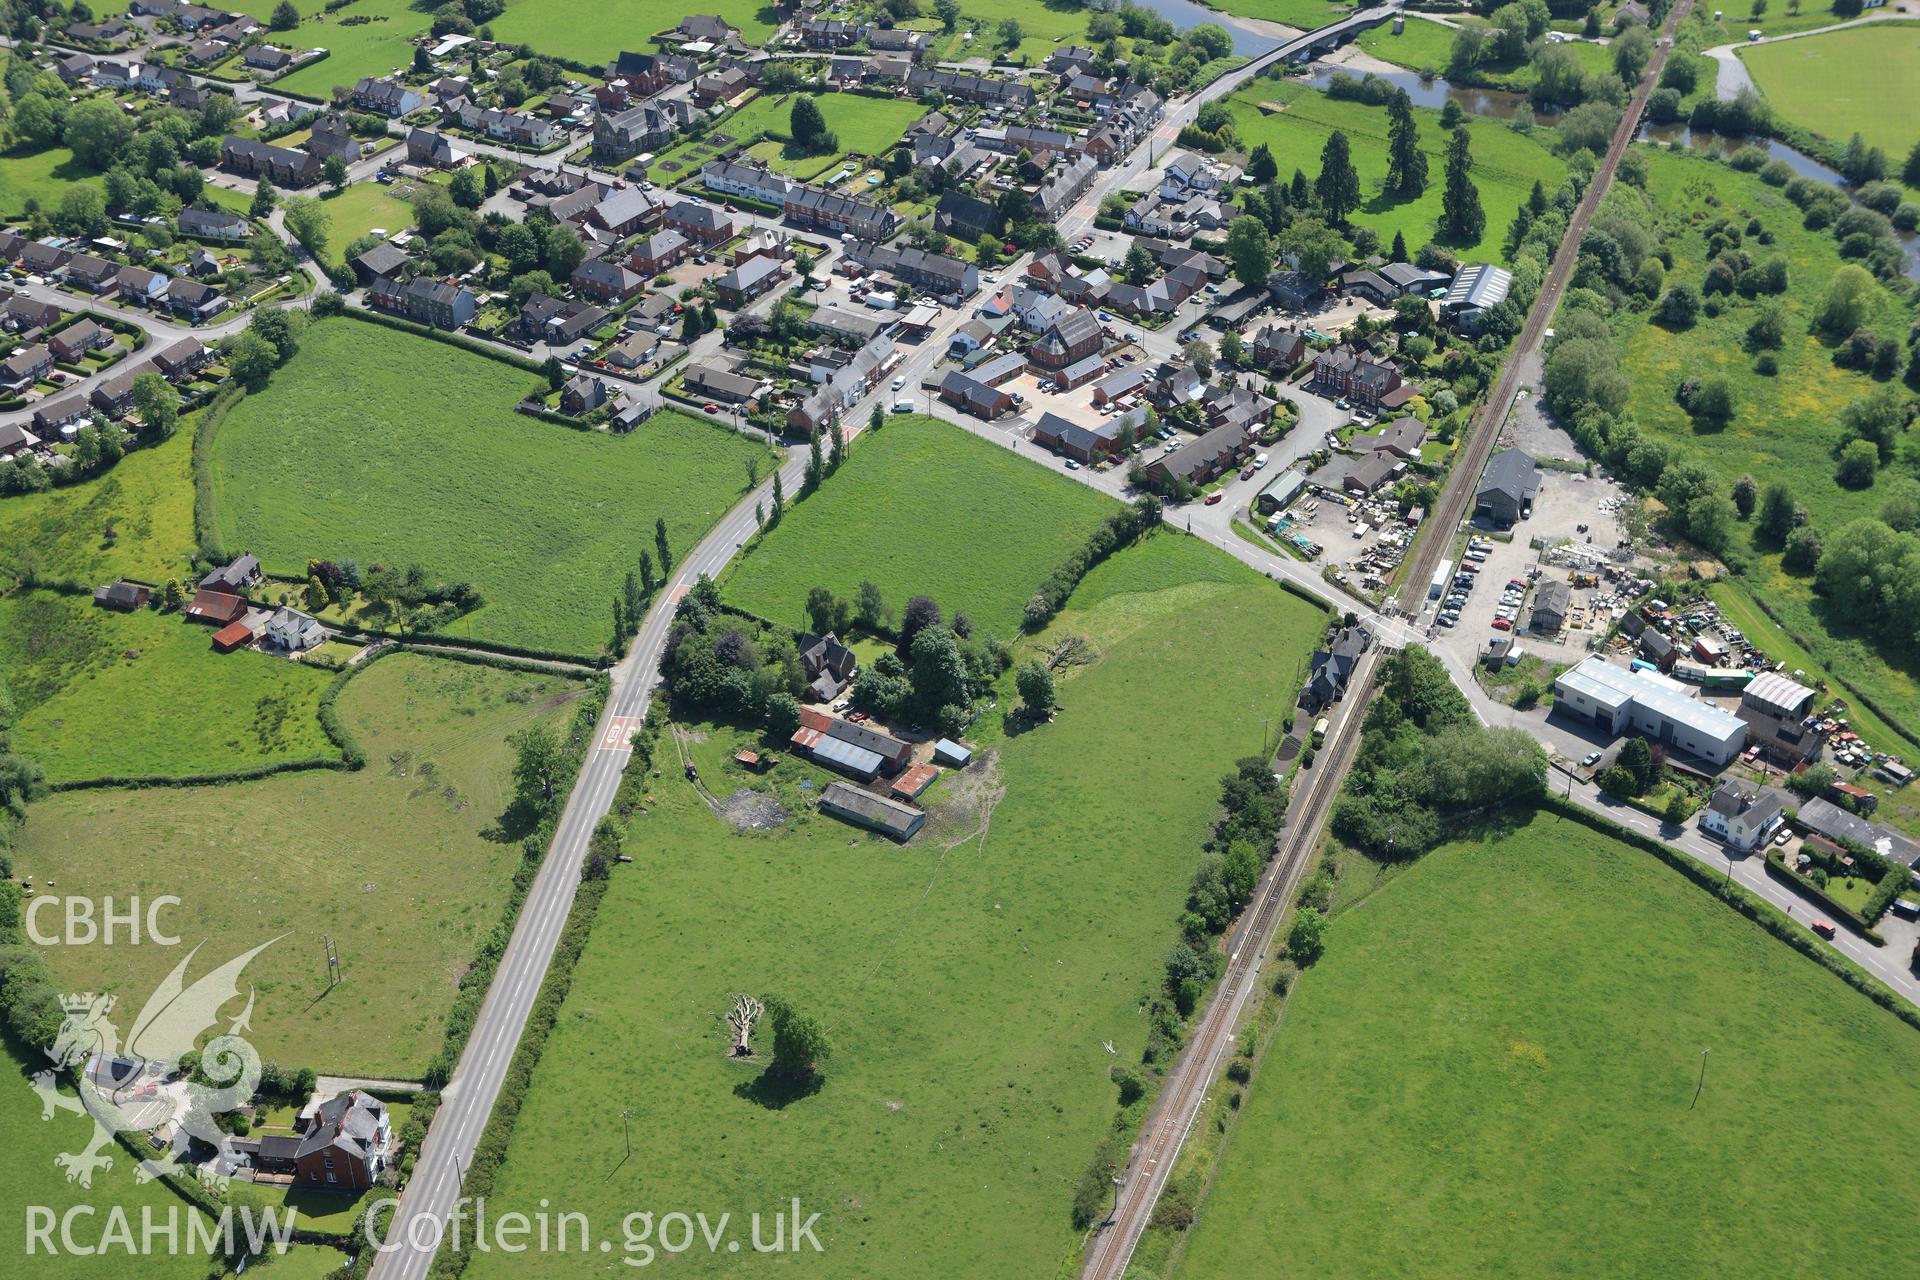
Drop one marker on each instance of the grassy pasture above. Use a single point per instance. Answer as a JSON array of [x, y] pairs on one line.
[[41, 175], [1490, 1073], [103, 693], [388, 448], [1863, 80], [594, 31], [1785, 426], [147, 500], [403, 863], [1427, 45], [967, 979], [1505, 164], [921, 508], [1304, 14], [373, 48], [28, 1176]]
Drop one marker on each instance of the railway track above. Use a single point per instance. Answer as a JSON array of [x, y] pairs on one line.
[[1455, 499]]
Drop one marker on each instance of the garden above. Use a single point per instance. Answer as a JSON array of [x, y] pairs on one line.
[[1294, 121], [104, 694], [978, 985], [1472, 1079], [380, 446]]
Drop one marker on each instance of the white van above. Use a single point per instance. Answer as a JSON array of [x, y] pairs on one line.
[[1259, 461]]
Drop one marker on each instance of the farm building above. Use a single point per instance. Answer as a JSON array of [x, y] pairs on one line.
[[215, 608], [124, 596], [888, 817]]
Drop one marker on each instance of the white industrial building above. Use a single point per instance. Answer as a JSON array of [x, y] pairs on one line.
[[1658, 708]]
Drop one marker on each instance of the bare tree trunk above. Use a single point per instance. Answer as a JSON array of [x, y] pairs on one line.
[[745, 1012]]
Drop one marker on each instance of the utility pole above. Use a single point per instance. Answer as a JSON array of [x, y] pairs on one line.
[[333, 961], [1703, 1078], [626, 1132]]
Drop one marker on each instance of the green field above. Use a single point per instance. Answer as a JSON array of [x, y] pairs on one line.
[[375, 48], [28, 1176], [109, 694], [404, 864], [967, 979], [1491, 1073], [922, 508], [39, 175], [1426, 45], [1304, 14], [146, 499], [361, 208], [1783, 426], [1505, 164], [384, 447], [1865, 80], [594, 31], [866, 126]]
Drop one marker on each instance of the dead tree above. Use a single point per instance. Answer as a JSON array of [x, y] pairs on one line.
[[745, 1012]]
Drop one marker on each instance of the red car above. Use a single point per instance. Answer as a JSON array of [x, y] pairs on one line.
[[1501, 624], [711, 407], [1824, 928], [1212, 498], [1246, 472]]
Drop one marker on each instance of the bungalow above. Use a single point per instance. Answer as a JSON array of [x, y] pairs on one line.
[[880, 813], [634, 350], [123, 596], [976, 397], [386, 97], [723, 385], [706, 28], [999, 369], [606, 282], [748, 281], [267, 58], [657, 252], [213, 224], [77, 339], [1357, 476], [383, 261], [1402, 438], [215, 608], [1213, 454], [1084, 443]]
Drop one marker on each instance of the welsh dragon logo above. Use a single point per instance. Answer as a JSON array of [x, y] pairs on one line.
[[139, 1085]]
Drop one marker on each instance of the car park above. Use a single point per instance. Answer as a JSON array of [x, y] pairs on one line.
[[1449, 619]]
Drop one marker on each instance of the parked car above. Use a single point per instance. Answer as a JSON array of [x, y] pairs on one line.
[[1074, 465], [899, 383], [1212, 498], [1590, 759], [1501, 624], [1824, 928], [1449, 619], [1259, 461], [1246, 473]]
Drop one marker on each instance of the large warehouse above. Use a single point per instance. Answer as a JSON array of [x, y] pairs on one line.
[[1661, 709]]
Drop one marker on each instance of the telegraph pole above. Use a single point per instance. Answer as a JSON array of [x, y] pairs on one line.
[[333, 961]]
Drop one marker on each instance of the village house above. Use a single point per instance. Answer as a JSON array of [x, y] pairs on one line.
[[584, 393], [1346, 371], [749, 280], [557, 322], [1279, 349], [21, 369], [213, 224], [383, 261], [433, 150], [386, 97], [51, 415], [606, 282], [1207, 458], [1742, 815], [425, 300], [1070, 339], [722, 385], [113, 397], [659, 251], [77, 339], [1333, 666], [826, 210], [284, 167], [747, 182], [828, 666], [701, 224]]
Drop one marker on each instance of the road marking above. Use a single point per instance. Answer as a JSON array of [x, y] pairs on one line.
[[619, 732]]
